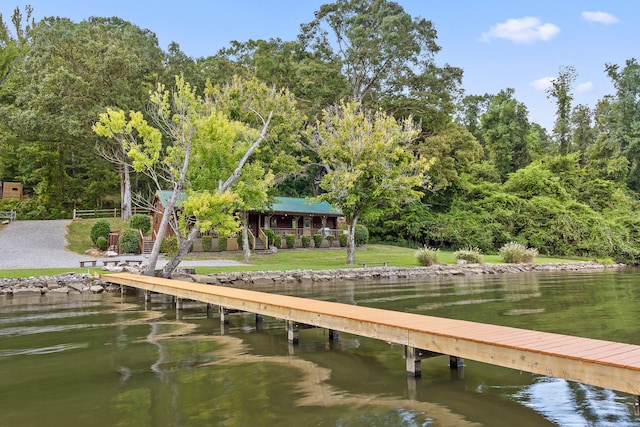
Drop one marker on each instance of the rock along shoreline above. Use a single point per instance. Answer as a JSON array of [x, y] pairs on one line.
[[76, 283]]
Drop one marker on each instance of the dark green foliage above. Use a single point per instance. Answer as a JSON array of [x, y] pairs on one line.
[[141, 222], [102, 243], [169, 245], [239, 240], [206, 243], [330, 238], [222, 243], [277, 241], [306, 241], [129, 241], [291, 240], [343, 238], [361, 235], [100, 228], [270, 236], [317, 240]]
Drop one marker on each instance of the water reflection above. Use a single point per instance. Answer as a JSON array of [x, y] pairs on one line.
[[151, 365]]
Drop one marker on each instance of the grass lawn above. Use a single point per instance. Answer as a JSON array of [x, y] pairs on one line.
[[78, 239]]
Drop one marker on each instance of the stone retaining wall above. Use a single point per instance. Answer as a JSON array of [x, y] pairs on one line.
[[74, 283]]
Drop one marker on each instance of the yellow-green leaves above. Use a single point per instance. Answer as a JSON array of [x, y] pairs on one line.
[[214, 211]]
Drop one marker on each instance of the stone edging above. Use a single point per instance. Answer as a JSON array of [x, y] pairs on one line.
[[74, 283]]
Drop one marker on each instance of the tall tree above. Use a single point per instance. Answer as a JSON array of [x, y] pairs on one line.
[[561, 91], [507, 133], [72, 72], [370, 165]]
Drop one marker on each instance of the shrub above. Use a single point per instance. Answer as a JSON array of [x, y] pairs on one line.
[[277, 241], [470, 254], [169, 245], [317, 240], [239, 240], [361, 235], [141, 222], [343, 240], [330, 238], [306, 241], [102, 243], [100, 228], [129, 241], [427, 256], [206, 243], [291, 240], [514, 252], [222, 243], [270, 236]]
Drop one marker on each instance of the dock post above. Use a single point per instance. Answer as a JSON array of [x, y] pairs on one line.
[[224, 315], [292, 332], [147, 296], [179, 303], [333, 335], [259, 321], [636, 405], [209, 311], [456, 362], [413, 358]]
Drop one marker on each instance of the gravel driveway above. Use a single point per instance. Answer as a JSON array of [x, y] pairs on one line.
[[41, 244], [37, 244]]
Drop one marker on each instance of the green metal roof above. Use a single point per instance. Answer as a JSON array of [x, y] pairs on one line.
[[302, 206], [294, 205], [165, 195]]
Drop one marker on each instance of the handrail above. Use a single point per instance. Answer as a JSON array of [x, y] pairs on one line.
[[263, 237], [253, 239]]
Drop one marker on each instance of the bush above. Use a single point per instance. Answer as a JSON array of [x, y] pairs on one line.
[[291, 240], [206, 243], [100, 228], [239, 240], [343, 240], [306, 241], [222, 243], [470, 254], [102, 243], [427, 256], [361, 235], [270, 236], [169, 245], [141, 222], [514, 253], [330, 238], [277, 241], [317, 240], [129, 241]]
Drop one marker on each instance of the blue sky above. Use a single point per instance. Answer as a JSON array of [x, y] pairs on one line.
[[498, 43]]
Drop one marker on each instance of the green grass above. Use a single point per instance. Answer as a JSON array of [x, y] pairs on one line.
[[78, 239]]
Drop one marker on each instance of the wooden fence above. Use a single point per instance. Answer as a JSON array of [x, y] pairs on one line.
[[104, 213], [10, 215]]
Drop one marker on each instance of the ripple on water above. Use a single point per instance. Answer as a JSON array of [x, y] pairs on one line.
[[41, 350]]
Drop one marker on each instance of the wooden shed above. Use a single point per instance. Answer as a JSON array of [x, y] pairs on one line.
[[12, 190]]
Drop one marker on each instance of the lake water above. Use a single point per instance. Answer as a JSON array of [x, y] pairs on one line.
[[107, 360]]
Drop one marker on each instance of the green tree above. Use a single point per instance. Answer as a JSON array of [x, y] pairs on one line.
[[369, 164], [73, 71], [507, 133], [561, 91]]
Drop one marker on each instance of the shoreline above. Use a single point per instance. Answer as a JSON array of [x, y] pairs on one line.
[[81, 283]]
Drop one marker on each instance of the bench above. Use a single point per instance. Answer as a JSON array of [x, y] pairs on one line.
[[91, 262], [133, 261], [106, 262], [382, 263]]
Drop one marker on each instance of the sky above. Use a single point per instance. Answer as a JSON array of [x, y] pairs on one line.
[[498, 43]]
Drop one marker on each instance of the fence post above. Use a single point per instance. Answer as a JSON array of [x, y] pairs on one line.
[[74, 213]]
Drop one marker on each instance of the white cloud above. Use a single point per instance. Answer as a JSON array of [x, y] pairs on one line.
[[542, 84], [600, 17], [523, 30], [585, 87]]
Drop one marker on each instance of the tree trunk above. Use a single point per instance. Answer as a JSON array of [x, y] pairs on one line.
[[126, 192], [246, 247], [351, 242], [184, 248], [162, 229]]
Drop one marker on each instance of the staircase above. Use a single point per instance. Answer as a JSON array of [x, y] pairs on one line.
[[147, 245]]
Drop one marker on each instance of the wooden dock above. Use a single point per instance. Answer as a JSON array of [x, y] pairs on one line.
[[600, 363]]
